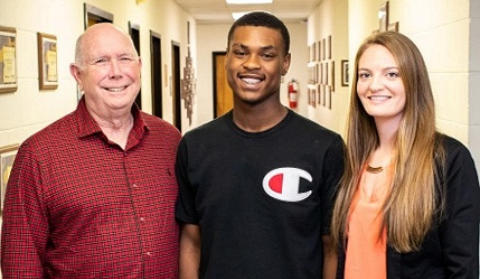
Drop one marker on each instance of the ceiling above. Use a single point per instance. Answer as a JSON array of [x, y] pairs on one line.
[[217, 11]]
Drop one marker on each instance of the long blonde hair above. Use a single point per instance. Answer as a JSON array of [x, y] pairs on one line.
[[413, 201]]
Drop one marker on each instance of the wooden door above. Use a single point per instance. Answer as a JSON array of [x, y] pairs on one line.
[[223, 95]]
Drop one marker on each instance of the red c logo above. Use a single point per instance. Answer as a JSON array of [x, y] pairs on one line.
[[283, 184]]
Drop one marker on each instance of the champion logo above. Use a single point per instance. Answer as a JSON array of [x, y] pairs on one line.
[[284, 183]]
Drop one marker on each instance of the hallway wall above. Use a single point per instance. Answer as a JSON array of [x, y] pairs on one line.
[[329, 18], [446, 33], [211, 38], [474, 81], [27, 110]]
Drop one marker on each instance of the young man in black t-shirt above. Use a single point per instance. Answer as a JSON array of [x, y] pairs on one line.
[[257, 184]]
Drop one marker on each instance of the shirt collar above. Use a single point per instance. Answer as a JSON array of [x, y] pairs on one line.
[[87, 126]]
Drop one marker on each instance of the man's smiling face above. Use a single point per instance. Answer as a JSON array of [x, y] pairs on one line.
[[255, 62]]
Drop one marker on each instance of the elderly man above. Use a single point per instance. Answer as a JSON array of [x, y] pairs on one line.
[[92, 195]]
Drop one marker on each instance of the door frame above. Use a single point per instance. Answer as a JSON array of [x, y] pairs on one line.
[[155, 110], [132, 27], [176, 94], [96, 14], [214, 66]]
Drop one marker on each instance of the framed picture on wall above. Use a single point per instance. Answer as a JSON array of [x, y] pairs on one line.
[[320, 93], [8, 60], [314, 51], [328, 97], [344, 72], [383, 17], [47, 61], [312, 74], [321, 73], [393, 26], [332, 75], [326, 73], [7, 157], [319, 50], [330, 47], [324, 46], [314, 97], [311, 54]]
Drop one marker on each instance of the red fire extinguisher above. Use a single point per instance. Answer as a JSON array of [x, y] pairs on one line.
[[293, 93]]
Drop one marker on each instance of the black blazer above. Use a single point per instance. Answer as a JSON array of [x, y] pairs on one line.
[[450, 249]]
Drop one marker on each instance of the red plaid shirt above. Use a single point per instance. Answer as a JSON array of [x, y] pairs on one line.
[[78, 206]]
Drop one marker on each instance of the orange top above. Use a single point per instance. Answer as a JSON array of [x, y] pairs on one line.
[[367, 238]]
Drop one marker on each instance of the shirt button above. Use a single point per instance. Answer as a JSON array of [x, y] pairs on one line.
[[142, 219], [148, 254], [134, 185]]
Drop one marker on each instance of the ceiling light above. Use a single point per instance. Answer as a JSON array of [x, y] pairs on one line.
[[248, 2], [237, 15]]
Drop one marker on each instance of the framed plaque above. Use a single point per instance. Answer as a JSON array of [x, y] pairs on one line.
[[7, 157], [383, 17], [47, 61], [344, 72], [8, 60]]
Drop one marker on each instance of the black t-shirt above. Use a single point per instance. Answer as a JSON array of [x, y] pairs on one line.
[[262, 200]]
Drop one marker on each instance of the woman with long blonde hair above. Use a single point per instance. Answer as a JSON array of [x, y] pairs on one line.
[[408, 203]]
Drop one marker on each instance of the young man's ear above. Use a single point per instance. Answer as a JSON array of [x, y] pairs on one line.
[[286, 64]]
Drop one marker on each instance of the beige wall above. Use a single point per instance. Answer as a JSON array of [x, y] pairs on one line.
[[474, 81], [213, 37], [329, 18], [298, 49], [27, 110], [447, 33]]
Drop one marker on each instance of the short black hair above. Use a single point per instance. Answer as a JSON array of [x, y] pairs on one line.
[[265, 20]]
